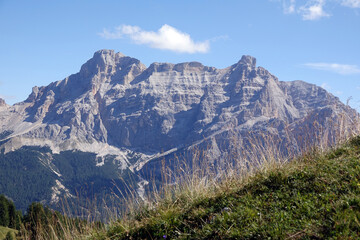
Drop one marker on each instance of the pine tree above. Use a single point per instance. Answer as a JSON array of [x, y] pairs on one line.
[[35, 219], [4, 212], [12, 215]]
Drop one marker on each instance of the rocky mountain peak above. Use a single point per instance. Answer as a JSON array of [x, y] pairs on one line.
[[133, 117], [188, 66], [107, 55], [179, 67], [248, 61], [101, 60], [105, 104], [2, 102], [160, 67], [108, 62], [33, 95]]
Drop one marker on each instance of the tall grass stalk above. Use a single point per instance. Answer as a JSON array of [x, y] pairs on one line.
[[247, 155], [204, 176]]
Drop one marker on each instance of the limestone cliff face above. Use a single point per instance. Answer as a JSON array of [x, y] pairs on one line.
[[2, 103], [115, 105]]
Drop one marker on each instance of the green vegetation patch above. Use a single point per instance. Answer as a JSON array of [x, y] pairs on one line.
[[4, 231], [317, 197], [24, 178], [27, 176]]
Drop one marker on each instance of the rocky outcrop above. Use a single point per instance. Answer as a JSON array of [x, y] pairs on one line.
[[133, 117], [115, 105], [2, 103]]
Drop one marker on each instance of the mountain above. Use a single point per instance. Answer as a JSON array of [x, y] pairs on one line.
[[117, 117], [2, 103]]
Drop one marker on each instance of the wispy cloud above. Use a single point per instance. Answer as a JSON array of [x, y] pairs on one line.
[[326, 86], [351, 3], [218, 38], [311, 10], [289, 6], [116, 34], [5, 97], [167, 38], [343, 69]]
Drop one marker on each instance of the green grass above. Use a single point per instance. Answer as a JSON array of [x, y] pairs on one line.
[[4, 231], [314, 197]]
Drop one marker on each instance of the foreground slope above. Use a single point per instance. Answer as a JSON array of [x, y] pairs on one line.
[[4, 231], [314, 197], [118, 119]]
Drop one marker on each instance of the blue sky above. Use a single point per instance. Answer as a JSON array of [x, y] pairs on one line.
[[317, 41]]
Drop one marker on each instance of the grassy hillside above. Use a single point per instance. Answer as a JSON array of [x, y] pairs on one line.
[[314, 197], [4, 231]]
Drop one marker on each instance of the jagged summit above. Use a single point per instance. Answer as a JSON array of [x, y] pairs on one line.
[[179, 67], [115, 101], [110, 52], [2, 102], [113, 65], [248, 61], [133, 117], [107, 60], [102, 59], [107, 54]]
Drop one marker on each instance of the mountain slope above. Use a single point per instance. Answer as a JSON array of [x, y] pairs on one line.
[[314, 197], [116, 102], [132, 117]]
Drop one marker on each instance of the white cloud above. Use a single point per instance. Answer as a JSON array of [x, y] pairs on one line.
[[289, 6], [326, 86], [167, 38], [110, 35], [343, 69], [351, 3], [313, 10]]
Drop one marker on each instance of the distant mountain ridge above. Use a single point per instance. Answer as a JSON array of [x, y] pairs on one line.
[[116, 106]]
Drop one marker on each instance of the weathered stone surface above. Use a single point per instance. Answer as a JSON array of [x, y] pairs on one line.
[[2, 103], [141, 116], [116, 105]]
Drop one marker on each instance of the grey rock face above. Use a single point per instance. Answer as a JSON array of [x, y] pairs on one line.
[[2, 103], [115, 105]]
